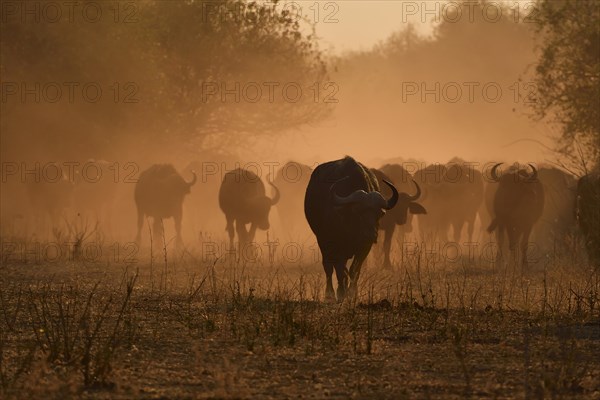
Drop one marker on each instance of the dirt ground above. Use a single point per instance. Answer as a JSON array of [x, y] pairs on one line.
[[187, 329]]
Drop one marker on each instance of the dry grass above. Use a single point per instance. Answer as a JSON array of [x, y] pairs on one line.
[[176, 325]]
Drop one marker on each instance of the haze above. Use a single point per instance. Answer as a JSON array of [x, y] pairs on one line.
[[391, 83], [299, 199], [428, 130]]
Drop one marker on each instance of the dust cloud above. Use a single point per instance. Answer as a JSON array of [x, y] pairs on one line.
[[207, 89]]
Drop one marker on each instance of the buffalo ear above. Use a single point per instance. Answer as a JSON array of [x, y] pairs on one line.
[[416, 208]]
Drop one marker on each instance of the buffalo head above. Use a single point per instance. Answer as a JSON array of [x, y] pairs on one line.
[[365, 209], [520, 175], [408, 203], [263, 206]]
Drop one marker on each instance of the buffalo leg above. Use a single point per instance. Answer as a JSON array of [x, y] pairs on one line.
[[230, 231], [471, 227], [251, 233], [523, 247], [341, 273], [140, 224], [241, 231], [253, 252], [387, 246], [177, 217], [329, 293], [500, 239], [157, 228], [513, 239], [231, 234], [441, 230], [242, 236], [457, 230], [355, 267], [401, 235]]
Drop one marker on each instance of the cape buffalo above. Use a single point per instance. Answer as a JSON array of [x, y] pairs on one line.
[[343, 207], [398, 215], [403, 180], [588, 214], [159, 193], [292, 180], [518, 205], [486, 210], [463, 195], [243, 200], [437, 221]]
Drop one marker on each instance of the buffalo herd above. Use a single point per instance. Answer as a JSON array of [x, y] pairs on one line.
[[346, 204], [400, 214]]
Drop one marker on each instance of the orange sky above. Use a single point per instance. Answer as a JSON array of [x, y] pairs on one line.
[[344, 25], [358, 25]]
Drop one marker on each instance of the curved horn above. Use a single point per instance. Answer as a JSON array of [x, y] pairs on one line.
[[416, 196], [392, 200], [194, 179], [493, 172], [351, 198], [533, 175], [275, 199]]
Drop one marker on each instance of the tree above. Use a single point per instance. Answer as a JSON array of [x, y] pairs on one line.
[[568, 74], [172, 52]]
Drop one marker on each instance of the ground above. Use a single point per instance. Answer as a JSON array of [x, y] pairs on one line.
[[183, 327]]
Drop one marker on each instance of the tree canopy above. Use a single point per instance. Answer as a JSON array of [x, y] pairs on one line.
[[163, 68], [568, 74]]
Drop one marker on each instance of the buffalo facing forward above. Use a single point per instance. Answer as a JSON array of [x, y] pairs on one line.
[[404, 182], [243, 200], [436, 223], [159, 193], [463, 195], [399, 214], [343, 207], [518, 205]]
